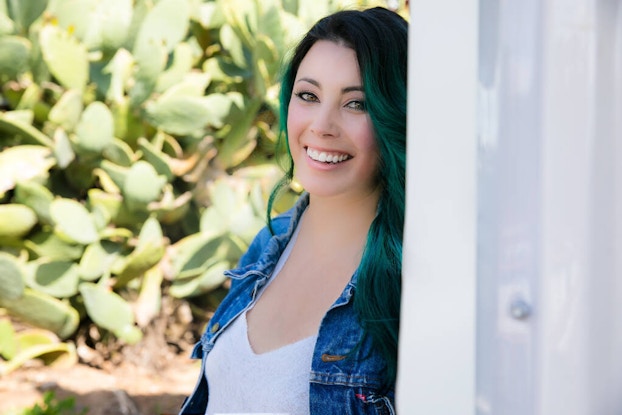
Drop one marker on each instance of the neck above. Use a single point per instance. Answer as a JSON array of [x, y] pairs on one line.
[[342, 221]]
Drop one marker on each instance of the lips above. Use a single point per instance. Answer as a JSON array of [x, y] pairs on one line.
[[326, 156]]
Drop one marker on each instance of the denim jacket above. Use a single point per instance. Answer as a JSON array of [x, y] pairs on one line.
[[346, 371]]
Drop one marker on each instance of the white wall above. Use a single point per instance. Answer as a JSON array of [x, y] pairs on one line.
[[513, 253]]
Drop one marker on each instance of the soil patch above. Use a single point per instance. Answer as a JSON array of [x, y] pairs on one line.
[[123, 390]]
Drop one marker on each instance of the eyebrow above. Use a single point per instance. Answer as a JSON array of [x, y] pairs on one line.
[[344, 90]]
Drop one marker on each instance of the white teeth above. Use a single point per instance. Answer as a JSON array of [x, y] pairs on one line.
[[326, 157]]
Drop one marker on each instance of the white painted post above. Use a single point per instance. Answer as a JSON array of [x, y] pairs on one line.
[[437, 344]]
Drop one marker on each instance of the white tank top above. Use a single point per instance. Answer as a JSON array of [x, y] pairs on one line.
[[243, 382]]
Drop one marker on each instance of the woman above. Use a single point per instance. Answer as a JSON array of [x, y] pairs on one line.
[[310, 325]]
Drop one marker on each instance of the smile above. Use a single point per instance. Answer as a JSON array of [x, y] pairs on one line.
[[325, 157]]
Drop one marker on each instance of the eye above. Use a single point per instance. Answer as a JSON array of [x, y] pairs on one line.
[[356, 105], [307, 96]]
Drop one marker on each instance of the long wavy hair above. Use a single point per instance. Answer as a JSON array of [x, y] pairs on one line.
[[380, 39]]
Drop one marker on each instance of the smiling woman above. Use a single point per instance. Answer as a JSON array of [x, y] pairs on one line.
[[310, 325]]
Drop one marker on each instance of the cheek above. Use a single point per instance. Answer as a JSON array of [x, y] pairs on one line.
[[294, 123], [367, 137]]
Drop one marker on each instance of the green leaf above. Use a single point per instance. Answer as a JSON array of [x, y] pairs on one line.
[[149, 301], [73, 15], [11, 277], [208, 281], [110, 24], [48, 352], [22, 163], [242, 15], [66, 112], [97, 259], [142, 184], [95, 130], [56, 278], [115, 209], [156, 158], [231, 210], [110, 311], [232, 43], [183, 60], [66, 58], [166, 24], [63, 151], [14, 57], [73, 221], [16, 220], [209, 15], [116, 173], [7, 26], [236, 145], [184, 115], [26, 12], [190, 254], [44, 311], [223, 70], [311, 12], [46, 244], [162, 29], [25, 131], [37, 197], [120, 153], [120, 69], [8, 341], [149, 251], [171, 209], [32, 337]]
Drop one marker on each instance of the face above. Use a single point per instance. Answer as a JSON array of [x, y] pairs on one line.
[[331, 135]]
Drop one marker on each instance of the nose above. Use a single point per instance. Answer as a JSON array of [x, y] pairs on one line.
[[325, 122]]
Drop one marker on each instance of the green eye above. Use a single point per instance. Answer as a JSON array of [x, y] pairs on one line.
[[306, 96], [356, 105]]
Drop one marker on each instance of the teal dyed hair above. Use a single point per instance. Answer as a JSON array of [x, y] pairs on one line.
[[380, 39]]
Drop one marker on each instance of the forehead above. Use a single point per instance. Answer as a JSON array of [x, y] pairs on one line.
[[330, 60]]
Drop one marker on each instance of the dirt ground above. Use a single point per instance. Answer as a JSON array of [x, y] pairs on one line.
[[123, 390]]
